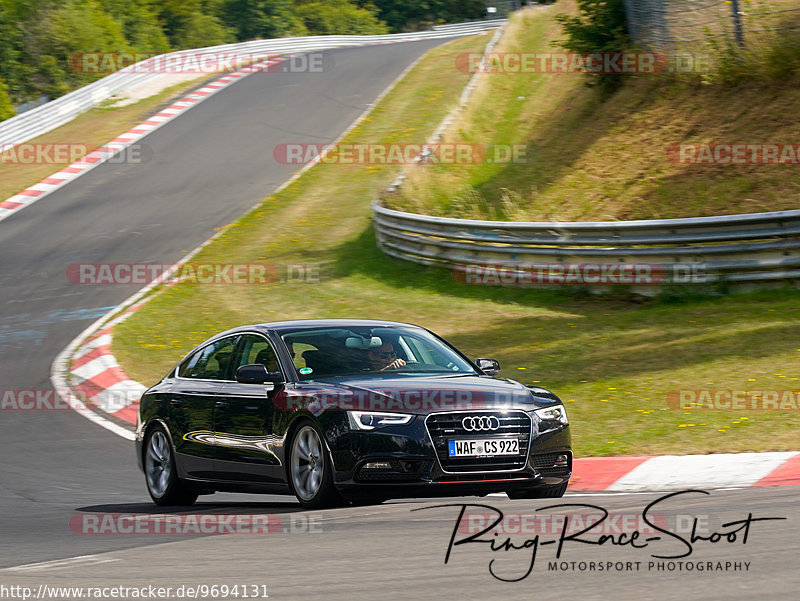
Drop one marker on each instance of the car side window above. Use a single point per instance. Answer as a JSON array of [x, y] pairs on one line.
[[210, 362], [257, 349]]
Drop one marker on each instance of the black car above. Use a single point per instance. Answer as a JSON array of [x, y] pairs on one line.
[[346, 410]]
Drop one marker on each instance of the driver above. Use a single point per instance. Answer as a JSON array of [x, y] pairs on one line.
[[384, 357]]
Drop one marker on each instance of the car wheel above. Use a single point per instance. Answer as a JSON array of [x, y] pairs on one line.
[[160, 473], [310, 470], [546, 492]]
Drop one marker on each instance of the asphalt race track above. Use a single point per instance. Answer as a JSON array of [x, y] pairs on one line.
[[206, 168], [392, 552]]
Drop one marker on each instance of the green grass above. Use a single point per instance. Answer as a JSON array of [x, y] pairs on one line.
[[594, 156], [612, 360]]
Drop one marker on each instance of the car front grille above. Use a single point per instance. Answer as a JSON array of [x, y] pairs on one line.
[[443, 427]]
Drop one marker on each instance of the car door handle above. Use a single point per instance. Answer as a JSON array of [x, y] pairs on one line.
[[176, 403], [221, 405]]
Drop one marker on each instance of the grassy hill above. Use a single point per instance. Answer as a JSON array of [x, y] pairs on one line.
[[592, 155]]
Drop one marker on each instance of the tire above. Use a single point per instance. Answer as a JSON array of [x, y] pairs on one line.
[[160, 472], [547, 492], [311, 470]]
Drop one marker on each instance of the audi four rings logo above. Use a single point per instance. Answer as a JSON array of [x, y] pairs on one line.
[[480, 423]]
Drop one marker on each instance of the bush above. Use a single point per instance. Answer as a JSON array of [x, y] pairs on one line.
[[601, 27], [252, 19], [199, 31], [6, 108], [342, 18]]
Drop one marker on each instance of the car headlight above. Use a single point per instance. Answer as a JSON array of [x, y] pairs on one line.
[[556, 413], [369, 420]]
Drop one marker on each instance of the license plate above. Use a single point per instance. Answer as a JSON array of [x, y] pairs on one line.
[[487, 447]]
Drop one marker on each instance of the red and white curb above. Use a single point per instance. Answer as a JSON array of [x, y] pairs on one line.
[[678, 472], [98, 379], [87, 375]]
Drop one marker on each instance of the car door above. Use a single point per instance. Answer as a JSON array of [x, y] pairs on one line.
[[243, 423], [193, 400]]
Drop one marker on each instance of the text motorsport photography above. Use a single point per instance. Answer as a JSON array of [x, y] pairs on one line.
[[513, 542]]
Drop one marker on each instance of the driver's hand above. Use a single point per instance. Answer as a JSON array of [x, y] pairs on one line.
[[395, 364]]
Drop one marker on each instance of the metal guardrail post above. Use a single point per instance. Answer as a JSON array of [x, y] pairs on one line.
[[737, 23]]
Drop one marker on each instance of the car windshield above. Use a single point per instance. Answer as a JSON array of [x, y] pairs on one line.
[[381, 350]]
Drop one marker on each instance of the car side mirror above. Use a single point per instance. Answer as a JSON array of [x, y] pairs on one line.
[[257, 373], [488, 366]]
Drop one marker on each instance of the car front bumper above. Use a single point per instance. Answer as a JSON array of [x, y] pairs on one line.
[[408, 465]]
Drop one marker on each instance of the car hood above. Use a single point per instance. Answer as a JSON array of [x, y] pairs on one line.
[[416, 394]]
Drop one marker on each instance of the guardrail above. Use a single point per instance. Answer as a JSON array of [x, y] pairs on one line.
[[53, 114], [754, 247]]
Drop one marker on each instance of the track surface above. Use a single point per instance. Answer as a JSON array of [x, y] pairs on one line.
[[206, 168]]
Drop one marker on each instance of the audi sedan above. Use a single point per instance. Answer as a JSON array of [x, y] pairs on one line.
[[337, 411]]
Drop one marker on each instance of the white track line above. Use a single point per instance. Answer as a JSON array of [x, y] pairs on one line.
[[60, 564]]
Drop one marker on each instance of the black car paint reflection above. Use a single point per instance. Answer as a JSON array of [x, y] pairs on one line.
[[233, 407]]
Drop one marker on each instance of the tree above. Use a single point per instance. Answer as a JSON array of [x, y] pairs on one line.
[[140, 24], [201, 30], [601, 27], [58, 34], [39, 39], [10, 45], [409, 15], [6, 108], [337, 17], [252, 19]]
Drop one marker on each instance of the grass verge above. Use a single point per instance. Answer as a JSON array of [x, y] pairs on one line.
[[612, 361]]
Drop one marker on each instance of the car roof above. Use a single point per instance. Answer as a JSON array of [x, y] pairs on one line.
[[299, 324], [280, 326]]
